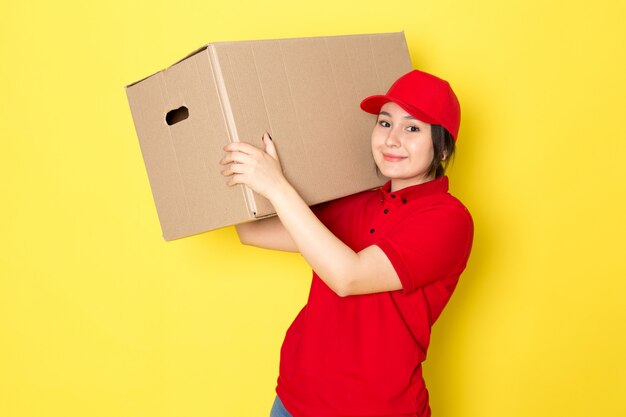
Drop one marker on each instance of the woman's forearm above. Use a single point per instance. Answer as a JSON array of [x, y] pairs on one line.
[[266, 233], [335, 263]]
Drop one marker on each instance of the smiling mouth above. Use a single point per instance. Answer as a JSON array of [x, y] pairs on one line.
[[393, 158]]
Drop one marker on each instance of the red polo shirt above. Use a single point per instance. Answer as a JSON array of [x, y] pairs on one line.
[[361, 355]]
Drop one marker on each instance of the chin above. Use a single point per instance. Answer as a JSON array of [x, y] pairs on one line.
[[392, 173], [417, 178]]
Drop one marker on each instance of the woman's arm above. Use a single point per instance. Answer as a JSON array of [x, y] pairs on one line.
[[266, 233], [346, 272]]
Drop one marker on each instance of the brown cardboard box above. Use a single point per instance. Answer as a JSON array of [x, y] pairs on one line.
[[304, 91]]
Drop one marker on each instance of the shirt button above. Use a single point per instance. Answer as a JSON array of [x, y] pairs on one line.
[[371, 230], [404, 201], [385, 211], [393, 196]]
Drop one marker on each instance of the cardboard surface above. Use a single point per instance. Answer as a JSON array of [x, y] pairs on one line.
[[304, 91]]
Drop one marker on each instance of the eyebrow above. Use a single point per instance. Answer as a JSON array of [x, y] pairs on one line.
[[406, 117]]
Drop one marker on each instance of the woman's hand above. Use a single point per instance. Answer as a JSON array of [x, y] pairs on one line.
[[258, 169]]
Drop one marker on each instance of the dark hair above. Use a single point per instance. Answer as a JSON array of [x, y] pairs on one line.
[[443, 144]]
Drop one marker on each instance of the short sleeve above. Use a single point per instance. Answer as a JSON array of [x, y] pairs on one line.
[[429, 246]]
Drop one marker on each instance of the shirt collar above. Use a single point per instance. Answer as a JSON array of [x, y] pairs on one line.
[[413, 192]]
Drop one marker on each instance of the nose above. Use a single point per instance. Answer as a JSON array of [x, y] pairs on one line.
[[392, 139]]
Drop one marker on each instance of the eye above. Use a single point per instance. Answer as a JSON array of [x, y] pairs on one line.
[[384, 123], [414, 129]]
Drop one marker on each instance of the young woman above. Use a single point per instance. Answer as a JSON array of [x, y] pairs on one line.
[[385, 261]]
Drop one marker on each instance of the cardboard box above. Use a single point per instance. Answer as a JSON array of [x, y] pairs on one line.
[[304, 91]]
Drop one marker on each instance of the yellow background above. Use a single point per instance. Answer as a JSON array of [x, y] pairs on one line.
[[100, 317]]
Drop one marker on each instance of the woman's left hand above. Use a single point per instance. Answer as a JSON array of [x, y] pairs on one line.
[[258, 169]]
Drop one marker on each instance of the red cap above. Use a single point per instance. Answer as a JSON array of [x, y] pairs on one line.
[[425, 97]]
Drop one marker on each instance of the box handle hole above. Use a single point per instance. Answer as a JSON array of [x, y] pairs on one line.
[[176, 115]]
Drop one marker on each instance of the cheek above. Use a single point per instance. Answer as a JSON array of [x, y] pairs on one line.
[[376, 140], [422, 150]]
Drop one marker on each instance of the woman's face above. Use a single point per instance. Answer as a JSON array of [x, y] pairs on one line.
[[402, 147]]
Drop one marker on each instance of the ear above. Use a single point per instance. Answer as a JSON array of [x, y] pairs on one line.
[[444, 156]]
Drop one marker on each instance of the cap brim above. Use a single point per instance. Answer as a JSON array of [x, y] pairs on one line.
[[372, 104]]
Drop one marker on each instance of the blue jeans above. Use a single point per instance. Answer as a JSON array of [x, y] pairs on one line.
[[278, 409]]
